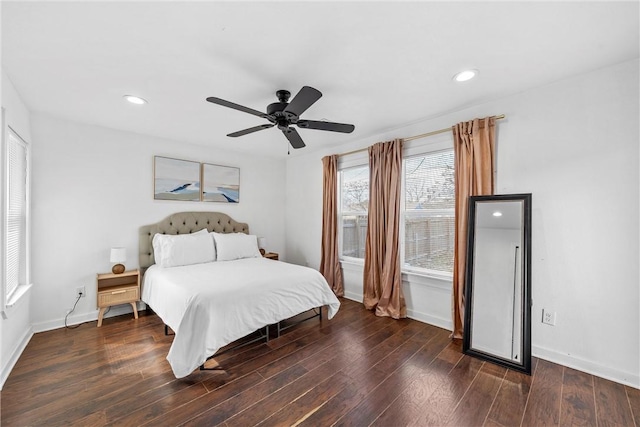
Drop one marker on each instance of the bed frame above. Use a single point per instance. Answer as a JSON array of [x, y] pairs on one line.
[[191, 222]]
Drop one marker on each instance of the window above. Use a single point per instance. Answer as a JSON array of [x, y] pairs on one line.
[[15, 223], [354, 204], [427, 207], [429, 203]]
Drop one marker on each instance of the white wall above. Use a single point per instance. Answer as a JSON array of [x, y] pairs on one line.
[[93, 189], [15, 323], [574, 146]]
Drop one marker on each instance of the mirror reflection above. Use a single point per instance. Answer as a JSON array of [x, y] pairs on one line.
[[497, 322], [498, 279]]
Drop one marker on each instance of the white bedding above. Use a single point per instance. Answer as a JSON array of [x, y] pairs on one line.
[[211, 305]]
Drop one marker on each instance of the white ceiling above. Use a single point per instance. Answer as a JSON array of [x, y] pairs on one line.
[[380, 65]]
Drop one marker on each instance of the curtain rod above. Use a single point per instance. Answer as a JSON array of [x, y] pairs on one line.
[[411, 138]]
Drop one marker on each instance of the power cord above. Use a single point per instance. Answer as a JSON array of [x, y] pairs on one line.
[[74, 307], [80, 294]]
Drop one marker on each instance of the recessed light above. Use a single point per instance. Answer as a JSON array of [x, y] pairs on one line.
[[135, 99], [465, 75], [496, 213]]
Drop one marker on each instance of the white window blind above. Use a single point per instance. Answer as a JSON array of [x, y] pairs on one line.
[[429, 224], [16, 215]]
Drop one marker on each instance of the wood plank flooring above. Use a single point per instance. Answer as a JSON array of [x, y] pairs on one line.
[[355, 370]]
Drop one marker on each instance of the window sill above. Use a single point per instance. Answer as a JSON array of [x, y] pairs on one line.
[[16, 299], [352, 262], [428, 274], [440, 281]]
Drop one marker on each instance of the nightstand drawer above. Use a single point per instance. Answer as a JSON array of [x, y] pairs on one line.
[[115, 296]]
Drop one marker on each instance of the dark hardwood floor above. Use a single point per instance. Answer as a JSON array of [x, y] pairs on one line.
[[355, 370]]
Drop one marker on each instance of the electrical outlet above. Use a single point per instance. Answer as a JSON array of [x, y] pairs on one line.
[[548, 317], [81, 292]]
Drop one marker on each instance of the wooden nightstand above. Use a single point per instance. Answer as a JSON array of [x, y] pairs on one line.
[[271, 255], [114, 289]]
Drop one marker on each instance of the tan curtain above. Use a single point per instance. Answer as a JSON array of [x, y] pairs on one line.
[[474, 143], [330, 260], [382, 280]]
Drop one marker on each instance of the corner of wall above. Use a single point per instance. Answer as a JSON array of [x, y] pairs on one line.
[[7, 366]]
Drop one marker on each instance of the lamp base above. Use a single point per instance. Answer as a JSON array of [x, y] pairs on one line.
[[118, 269]]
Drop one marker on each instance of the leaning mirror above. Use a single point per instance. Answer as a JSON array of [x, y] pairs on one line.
[[498, 280]]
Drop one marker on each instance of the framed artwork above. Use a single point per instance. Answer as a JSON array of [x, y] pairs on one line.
[[220, 183], [175, 179]]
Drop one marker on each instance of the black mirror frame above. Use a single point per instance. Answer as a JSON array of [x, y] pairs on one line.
[[525, 366]]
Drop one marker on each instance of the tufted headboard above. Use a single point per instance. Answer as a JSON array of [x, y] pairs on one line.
[[184, 223]]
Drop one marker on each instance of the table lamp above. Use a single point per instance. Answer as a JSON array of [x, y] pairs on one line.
[[262, 242], [118, 255]]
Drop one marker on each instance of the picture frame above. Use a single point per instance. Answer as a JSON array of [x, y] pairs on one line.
[[175, 179], [220, 183]]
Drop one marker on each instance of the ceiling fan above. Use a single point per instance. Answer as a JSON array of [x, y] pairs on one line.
[[283, 114]]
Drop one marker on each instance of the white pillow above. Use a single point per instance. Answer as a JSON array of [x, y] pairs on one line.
[[183, 249], [232, 246]]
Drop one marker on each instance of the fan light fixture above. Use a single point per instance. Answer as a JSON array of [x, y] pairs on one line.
[[465, 75], [135, 99]]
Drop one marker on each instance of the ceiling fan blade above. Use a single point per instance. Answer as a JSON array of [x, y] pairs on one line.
[[330, 126], [294, 137], [303, 100], [250, 130], [238, 107]]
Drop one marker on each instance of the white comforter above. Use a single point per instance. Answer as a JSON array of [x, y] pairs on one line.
[[211, 305]]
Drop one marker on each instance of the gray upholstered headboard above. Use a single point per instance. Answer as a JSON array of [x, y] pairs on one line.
[[184, 223]]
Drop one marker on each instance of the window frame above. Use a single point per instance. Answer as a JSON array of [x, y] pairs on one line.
[[423, 146], [356, 159], [403, 216], [341, 213], [10, 299]]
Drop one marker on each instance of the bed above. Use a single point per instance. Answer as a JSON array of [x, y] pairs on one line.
[[209, 304]]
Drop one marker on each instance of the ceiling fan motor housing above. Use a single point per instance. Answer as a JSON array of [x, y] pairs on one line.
[[276, 108]]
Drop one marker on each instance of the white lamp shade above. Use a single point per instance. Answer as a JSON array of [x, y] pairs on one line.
[[262, 242], [118, 255]]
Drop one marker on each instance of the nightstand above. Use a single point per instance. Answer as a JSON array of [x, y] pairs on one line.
[[271, 255], [114, 289]]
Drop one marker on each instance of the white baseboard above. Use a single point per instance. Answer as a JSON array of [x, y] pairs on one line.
[[353, 296], [430, 319], [411, 314], [622, 377], [607, 372], [85, 317], [15, 355]]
